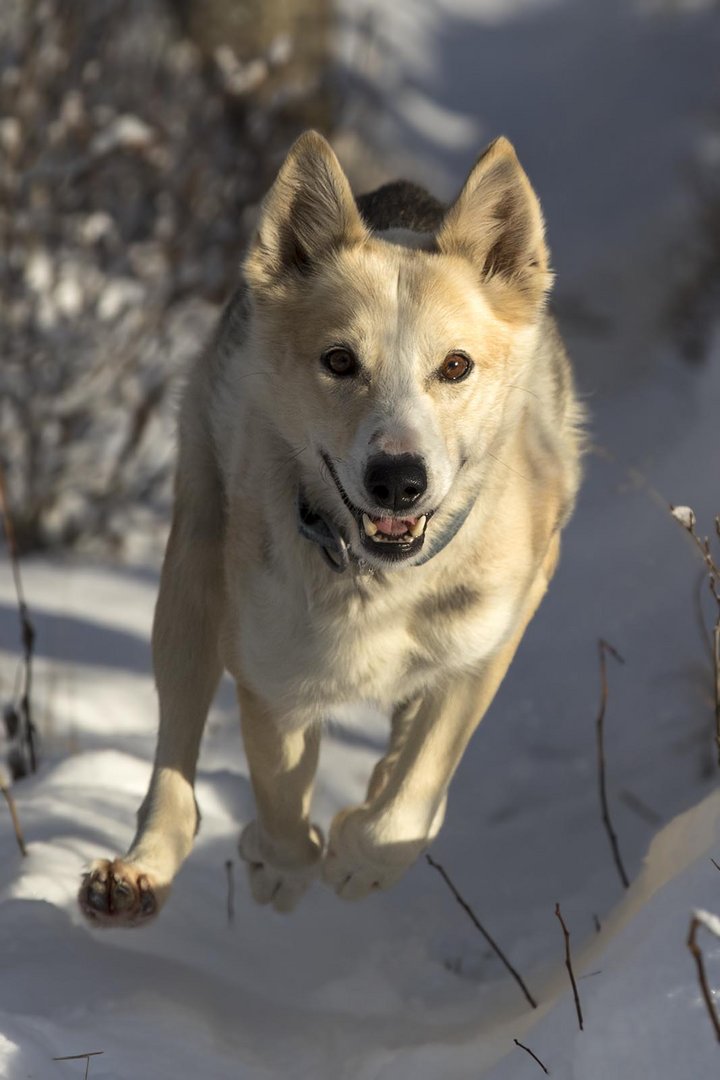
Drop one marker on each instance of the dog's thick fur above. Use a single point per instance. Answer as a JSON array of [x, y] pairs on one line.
[[400, 283]]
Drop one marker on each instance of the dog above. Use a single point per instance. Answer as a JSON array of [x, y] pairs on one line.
[[377, 454]]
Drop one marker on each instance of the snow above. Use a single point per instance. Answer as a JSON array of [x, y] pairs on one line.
[[401, 985]]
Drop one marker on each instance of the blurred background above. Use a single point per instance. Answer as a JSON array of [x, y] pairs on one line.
[[137, 137]]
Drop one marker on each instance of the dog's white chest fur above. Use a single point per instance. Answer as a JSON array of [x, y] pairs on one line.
[[309, 655]]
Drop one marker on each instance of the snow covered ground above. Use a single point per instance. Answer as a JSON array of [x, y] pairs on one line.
[[606, 104]]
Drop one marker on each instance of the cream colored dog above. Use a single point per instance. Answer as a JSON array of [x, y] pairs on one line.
[[377, 453]]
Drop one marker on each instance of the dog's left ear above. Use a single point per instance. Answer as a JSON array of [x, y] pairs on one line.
[[497, 224], [308, 213]]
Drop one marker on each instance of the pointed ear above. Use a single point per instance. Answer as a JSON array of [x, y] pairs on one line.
[[497, 224], [308, 213]]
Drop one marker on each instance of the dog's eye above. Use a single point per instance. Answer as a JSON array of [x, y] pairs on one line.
[[340, 362], [455, 366]]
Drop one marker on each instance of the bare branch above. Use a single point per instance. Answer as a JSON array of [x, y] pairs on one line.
[[474, 919], [686, 517], [230, 891], [533, 1056], [7, 795], [568, 965], [711, 923], [82, 1057], [27, 630], [716, 664], [603, 649]]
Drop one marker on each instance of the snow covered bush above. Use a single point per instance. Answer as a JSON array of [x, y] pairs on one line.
[[132, 150]]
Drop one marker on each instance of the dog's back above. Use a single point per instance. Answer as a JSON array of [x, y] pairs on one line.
[[401, 205]]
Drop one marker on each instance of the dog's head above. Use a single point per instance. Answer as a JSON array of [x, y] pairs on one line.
[[392, 355]]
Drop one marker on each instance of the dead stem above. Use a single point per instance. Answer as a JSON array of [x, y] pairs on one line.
[[711, 923], [7, 795], [474, 919], [82, 1057], [603, 649], [686, 517], [27, 630], [568, 965], [533, 1056], [230, 891]]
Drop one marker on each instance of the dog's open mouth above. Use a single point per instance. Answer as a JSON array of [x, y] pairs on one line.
[[391, 537], [385, 536], [393, 530]]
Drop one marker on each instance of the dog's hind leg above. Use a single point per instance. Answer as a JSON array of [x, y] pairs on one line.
[[281, 848], [129, 890]]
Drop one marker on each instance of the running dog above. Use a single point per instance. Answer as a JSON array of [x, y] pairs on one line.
[[377, 453]]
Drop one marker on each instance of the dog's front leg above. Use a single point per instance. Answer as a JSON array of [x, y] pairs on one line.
[[127, 891], [371, 846], [281, 848]]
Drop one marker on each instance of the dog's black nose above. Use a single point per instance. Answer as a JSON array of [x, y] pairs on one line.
[[395, 481]]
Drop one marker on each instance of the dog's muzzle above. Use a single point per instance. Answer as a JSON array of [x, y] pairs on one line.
[[316, 526]]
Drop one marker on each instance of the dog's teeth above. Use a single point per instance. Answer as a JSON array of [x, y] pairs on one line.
[[417, 529], [369, 526]]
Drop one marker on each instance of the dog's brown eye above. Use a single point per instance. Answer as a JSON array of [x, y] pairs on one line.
[[340, 362], [455, 367]]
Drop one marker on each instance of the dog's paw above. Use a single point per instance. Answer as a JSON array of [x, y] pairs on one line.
[[114, 893], [279, 878], [358, 861]]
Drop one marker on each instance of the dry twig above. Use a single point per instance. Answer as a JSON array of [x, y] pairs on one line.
[[568, 965], [686, 516], [533, 1056], [711, 923], [230, 891], [603, 649], [7, 795], [27, 630], [476, 922], [82, 1057]]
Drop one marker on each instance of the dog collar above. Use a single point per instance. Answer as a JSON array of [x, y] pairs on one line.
[[322, 531], [450, 531], [335, 549]]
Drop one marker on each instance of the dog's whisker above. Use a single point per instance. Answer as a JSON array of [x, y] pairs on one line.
[[276, 468], [248, 374], [515, 386], [505, 465]]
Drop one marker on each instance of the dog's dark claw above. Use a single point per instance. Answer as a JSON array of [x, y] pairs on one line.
[[112, 895], [96, 896]]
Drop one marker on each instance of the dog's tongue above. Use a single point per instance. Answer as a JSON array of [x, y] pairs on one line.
[[393, 526]]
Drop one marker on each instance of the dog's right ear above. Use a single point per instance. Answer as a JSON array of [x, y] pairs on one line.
[[308, 213]]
